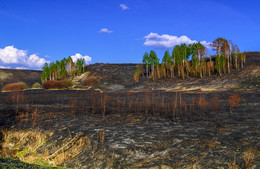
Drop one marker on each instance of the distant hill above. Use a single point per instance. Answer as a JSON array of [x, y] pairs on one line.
[[14, 75], [120, 77]]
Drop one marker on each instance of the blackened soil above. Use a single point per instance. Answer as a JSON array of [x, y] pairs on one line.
[[143, 129]]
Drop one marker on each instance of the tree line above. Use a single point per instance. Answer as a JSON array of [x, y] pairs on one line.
[[62, 69], [201, 63]]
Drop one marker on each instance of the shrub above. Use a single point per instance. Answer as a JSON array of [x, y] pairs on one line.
[[55, 84], [136, 76], [91, 81], [36, 85], [234, 100], [14, 87], [201, 102]]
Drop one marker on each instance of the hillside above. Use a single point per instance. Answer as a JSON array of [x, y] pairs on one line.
[[120, 77], [121, 128], [13, 75]]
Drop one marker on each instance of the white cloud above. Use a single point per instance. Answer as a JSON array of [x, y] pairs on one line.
[[79, 56], [169, 41], [4, 67], [11, 55], [105, 30], [21, 68], [36, 61], [123, 7]]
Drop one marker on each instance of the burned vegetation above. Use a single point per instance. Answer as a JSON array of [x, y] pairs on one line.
[[82, 129]]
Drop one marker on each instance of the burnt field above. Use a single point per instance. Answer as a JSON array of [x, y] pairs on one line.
[[127, 129]]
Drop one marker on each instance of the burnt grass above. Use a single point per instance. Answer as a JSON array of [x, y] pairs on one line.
[[142, 129]]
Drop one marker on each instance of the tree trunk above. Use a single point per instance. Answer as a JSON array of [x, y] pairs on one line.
[[196, 69], [147, 73], [179, 71], [230, 57], [187, 68], [236, 61], [172, 71], [224, 67], [228, 66]]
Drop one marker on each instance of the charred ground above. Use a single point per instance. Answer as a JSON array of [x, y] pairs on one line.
[[196, 123]]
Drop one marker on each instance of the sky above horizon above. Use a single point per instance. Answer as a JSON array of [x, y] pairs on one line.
[[119, 31]]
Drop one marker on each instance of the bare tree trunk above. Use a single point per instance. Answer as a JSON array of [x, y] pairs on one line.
[[147, 72], [242, 63], [172, 71], [210, 67], [196, 70], [179, 72], [236, 61], [228, 66], [224, 67], [187, 68], [230, 60]]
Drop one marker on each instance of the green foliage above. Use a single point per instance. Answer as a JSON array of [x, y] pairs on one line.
[[219, 62], [146, 58], [80, 66], [154, 60], [36, 85], [184, 51], [201, 61], [45, 72], [176, 54], [167, 58], [62, 69], [137, 71]]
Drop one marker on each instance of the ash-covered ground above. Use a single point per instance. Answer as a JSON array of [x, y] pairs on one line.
[[148, 129]]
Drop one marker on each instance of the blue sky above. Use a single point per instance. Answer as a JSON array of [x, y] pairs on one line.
[[120, 31]]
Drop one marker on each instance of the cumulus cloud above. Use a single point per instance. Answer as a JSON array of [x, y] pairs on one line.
[[11, 55], [105, 30], [79, 56], [36, 61], [169, 41], [4, 67], [123, 7]]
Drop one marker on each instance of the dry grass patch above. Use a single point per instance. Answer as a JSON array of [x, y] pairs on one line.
[[234, 100], [65, 153], [55, 84], [4, 76], [90, 81], [248, 157], [14, 87], [25, 144]]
